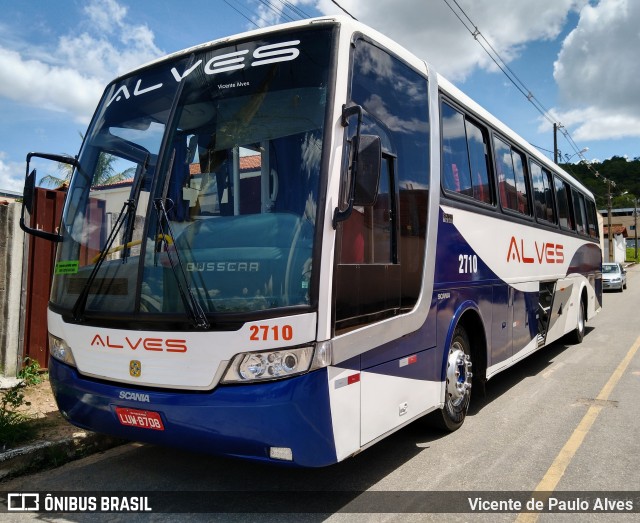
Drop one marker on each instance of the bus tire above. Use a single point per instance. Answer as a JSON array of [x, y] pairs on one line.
[[458, 383], [577, 335]]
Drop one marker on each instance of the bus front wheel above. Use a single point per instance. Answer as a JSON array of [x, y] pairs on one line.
[[458, 383]]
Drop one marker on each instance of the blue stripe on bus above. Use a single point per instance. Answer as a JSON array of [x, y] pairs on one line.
[[238, 421], [452, 244]]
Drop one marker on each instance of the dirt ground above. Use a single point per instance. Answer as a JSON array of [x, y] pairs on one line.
[[50, 424]]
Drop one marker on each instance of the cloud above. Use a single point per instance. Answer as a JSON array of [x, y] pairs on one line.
[[9, 179], [597, 72], [434, 33], [55, 88], [596, 123], [72, 77]]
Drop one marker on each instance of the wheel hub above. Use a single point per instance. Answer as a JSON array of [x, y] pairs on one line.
[[458, 374]]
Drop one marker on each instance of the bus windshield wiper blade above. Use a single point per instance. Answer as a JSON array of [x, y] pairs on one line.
[[194, 309], [81, 303], [131, 212]]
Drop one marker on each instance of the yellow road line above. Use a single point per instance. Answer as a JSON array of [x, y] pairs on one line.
[[557, 469]]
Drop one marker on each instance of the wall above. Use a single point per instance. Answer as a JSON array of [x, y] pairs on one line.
[[11, 267]]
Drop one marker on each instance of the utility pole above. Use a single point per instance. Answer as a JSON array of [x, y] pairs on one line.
[[555, 143], [635, 225], [609, 232]]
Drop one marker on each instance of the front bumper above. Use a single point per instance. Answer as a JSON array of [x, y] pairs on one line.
[[235, 420], [609, 285]]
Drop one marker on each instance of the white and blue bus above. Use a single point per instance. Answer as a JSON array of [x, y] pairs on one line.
[[314, 240]]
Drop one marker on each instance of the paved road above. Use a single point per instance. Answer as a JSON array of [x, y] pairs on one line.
[[566, 419]]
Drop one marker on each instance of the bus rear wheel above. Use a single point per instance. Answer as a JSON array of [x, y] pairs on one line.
[[577, 335], [458, 383]]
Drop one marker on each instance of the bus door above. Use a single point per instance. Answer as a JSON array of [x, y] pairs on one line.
[[515, 323], [525, 312], [558, 309], [502, 325]]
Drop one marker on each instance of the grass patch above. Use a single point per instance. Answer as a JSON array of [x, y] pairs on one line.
[[31, 372], [15, 426]]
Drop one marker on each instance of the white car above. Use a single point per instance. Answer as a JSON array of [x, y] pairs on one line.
[[614, 276]]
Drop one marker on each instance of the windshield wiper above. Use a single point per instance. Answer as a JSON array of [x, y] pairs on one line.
[[194, 309], [128, 214], [81, 303], [131, 214]]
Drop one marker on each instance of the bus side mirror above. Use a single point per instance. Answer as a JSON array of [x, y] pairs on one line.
[[29, 194], [368, 170]]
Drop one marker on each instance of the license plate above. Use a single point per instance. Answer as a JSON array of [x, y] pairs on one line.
[[142, 419]]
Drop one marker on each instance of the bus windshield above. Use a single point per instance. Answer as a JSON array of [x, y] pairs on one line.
[[198, 185]]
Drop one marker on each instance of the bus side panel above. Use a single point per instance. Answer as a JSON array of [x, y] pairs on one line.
[[453, 304], [406, 370], [501, 325], [525, 321], [398, 391], [344, 397]]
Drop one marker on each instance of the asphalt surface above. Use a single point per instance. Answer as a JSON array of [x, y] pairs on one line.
[[564, 421]]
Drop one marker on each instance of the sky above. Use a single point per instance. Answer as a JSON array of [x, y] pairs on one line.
[[578, 58]]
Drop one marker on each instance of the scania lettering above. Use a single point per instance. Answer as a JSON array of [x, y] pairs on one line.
[[136, 396], [298, 261]]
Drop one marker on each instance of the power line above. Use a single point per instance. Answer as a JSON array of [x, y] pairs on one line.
[[240, 13], [297, 10], [278, 12], [542, 148], [515, 80], [336, 3]]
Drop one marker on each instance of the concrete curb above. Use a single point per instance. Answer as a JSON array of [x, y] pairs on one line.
[[48, 454]]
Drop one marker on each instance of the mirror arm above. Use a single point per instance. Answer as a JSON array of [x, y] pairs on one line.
[[348, 111]]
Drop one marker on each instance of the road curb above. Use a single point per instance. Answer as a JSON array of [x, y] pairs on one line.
[[47, 454]]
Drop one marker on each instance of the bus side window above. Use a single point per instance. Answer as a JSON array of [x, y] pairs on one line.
[[512, 182], [580, 212], [478, 144], [380, 249], [506, 175], [562, 199], [456, 176], [593, 220], [542, 193], [368, 234], [465, 166], [548, 196]]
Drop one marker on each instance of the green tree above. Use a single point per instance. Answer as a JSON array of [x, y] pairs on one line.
[[105, 173]]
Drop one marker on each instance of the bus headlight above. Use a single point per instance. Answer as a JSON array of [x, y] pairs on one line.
[[59, 350], [274, 364]]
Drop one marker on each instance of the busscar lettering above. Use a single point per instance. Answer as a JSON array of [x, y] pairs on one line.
[[263, 55], [545, 252], [149, 344], [223, 267]]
